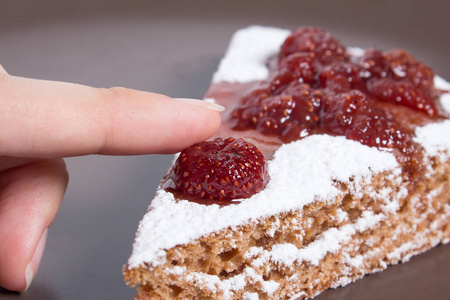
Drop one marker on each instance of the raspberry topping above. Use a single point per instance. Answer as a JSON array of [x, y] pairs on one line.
[[352, 114], [222, 169], [300, 66], [398, 78], [316, 41], [317, 88], [293, 112], [341, 77]]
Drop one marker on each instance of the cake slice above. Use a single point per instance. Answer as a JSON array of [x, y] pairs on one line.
[[355, 176]]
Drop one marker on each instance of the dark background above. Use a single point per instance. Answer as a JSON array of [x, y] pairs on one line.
[[173, 47]]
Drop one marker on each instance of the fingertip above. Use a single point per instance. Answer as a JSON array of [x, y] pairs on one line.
[[22, 283], [145, 123], [202, 103], [30, 198], [200, 120], [33, 265]]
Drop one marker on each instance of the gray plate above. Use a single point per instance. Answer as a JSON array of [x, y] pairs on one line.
[[173, 47]]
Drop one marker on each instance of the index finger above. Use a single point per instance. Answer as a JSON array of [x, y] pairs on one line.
[[54, 119]]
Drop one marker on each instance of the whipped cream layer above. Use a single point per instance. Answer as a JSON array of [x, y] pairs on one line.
[[301, 172]]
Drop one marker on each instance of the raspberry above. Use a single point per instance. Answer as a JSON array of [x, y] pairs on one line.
[[320, 43], [291, 114], [301, 65], [354, 115], [281, 80], [222, 169], [269, 88], [341, 76], [405, 93], [398, 78], [402, 65], [373, 64]]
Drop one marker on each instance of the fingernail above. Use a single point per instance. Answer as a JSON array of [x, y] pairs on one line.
[[28, 276], [203, 103], [33, 265]]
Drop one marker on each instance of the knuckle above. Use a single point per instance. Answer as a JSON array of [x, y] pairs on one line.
[[122, 92]]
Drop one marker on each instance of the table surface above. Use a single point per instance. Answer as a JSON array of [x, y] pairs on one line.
[[174, 47]]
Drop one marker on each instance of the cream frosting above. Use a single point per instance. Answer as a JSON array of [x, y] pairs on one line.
[[301, 172]]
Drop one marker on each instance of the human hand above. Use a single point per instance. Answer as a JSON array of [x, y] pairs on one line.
[[43, 121]]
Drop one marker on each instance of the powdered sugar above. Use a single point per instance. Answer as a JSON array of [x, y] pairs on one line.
[[440, 83], [330, 241], [298, 177], [243, 63], [269, 287], [251, 296], [227, 286], [435, 138]]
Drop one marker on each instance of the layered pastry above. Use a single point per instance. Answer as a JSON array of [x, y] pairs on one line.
[[331, 163]]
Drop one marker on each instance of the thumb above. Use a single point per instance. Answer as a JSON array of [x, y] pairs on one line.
[[55, 119]]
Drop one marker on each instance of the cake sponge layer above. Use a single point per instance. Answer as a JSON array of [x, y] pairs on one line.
[[300, 253]]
